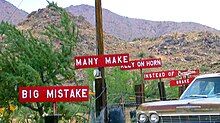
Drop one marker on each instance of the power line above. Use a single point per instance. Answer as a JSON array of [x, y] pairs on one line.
[[14, 11]]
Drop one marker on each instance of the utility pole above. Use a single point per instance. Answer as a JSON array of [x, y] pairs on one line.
[[100, 85]]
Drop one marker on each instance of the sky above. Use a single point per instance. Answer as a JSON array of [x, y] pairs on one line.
[[199, 11]]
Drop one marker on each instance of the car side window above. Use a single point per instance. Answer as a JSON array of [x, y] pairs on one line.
[[195, 89], [217, 88], [208, 89]]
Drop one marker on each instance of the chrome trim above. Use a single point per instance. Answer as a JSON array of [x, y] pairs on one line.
[[188, 107], [191, 119], [189, 114]]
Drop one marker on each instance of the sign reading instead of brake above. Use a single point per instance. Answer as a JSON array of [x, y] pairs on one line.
[[53, 94], [161, 74], [181, 82], [109, 60], [143, 63]]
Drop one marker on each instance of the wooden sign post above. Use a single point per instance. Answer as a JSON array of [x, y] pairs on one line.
[[159, 75], [100, 61], [141, 64]]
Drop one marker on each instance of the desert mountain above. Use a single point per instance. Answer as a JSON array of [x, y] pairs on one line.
[[10, 13], [130, 28], [38, 20], [189, 50], [119, 26]]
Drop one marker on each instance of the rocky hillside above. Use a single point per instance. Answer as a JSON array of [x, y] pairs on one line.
[[10, 13], [38, 20], [130, 28], [178, 50]]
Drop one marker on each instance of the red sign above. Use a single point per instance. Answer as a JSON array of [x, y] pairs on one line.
[[53, 94], [144, 63], [161, 74], [188, 72], [101, 61], [181, 82]]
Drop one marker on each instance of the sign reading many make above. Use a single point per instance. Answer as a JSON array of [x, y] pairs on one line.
[[143, 63], [101, 60], [53, 94]]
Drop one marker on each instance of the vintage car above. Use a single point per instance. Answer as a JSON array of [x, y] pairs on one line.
[[200, 103]]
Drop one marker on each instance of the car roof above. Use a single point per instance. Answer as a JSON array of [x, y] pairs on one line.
[[209, 75]]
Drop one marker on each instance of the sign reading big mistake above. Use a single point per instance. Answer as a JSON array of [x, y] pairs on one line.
[[109, 60], [53, 94]]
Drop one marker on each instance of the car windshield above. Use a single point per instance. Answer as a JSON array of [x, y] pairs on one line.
[[203, 88]]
